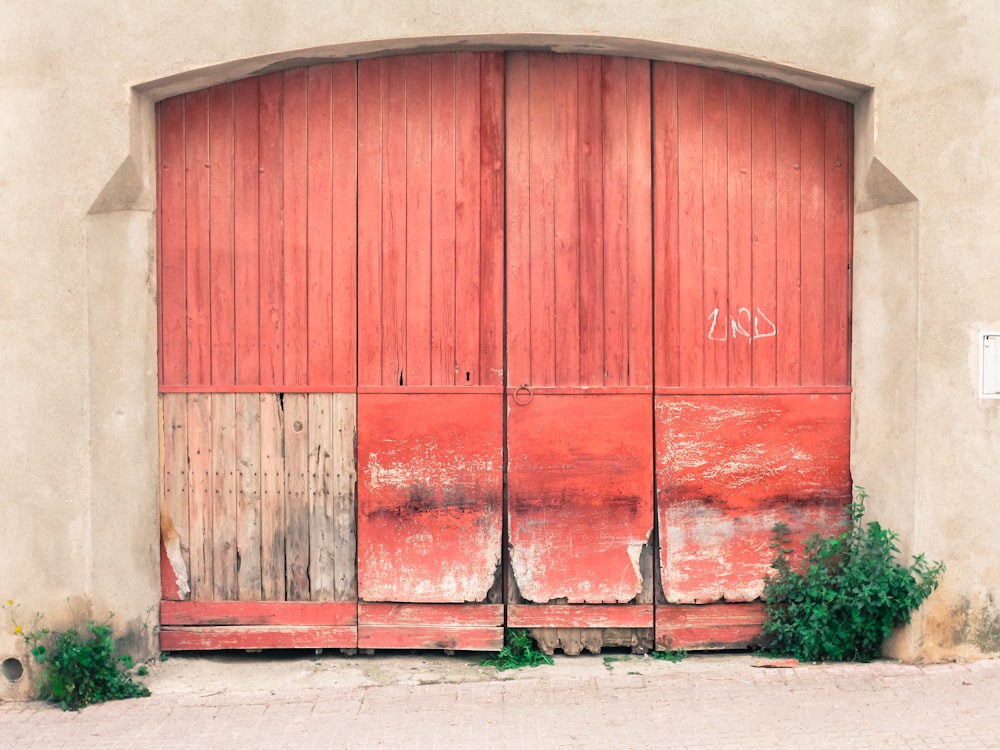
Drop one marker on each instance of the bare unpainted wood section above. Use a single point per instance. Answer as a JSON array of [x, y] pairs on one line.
[[260, 489]]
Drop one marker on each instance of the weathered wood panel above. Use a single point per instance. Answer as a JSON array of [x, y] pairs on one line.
[[728, 469], [250, 637], [258, 613], [429, 496], [258, 251], [752, 232], [259, 490], [580, 497]]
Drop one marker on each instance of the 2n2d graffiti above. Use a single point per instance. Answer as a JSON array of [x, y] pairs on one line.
[[749, 324]]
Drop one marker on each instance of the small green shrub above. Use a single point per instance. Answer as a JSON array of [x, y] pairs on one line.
[[78, 670], [848, 594], [520, 651]]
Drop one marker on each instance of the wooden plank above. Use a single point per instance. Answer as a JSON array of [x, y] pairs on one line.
[[344, 488], [580, 507], [616, 292], [294, 128], [518, 221], [839, 203], [369, 221], [248, 497], [447, 152], [692, 324], [813, 233], [541, 179], [199, 459], [272, 497], [429, 496], [344, 247], [221, 120], [322, 538], [462, 268], [416, 271], [272, 305], [258, 613], [492, 208], [788, 304], [247, 231], [704, 627], [259, 637], [639, 290], [666, 192], [467, 627], [592, 243], [199, 273], [764, 208], [172, 256], [224, 502], [319, 225], [566, 221], [393, 240], [740, 231], [580, 616], [174, 486], [715, 273], [296, 442]]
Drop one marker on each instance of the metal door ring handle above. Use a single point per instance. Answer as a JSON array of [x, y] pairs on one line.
[[519, 395]]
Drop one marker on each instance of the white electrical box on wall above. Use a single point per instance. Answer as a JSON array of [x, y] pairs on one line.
[[989, 364]]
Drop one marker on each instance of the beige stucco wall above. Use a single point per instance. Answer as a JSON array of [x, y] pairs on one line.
[[78, 447]]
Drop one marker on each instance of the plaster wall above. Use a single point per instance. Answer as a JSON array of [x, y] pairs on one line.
[[78, 449]]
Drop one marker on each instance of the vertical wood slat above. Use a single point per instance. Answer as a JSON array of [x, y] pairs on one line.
[[343, 487], [812, 239], [199, 458], [518, 201], [246, 212], [319, 227], [616, 229], [715, 225], [199, 330], [447, 182], [788, 303], [764, 206], [321, 498], [740, 231], [221, 213], [172, 247], [344, 244], [392, 323], [248, 497], [272, 370], [272, 499], [369, 222], [297, 501], [838, 202], [492, 183], [666, 238], [294, 218], [416, 269], [174, 482], [224, 501]]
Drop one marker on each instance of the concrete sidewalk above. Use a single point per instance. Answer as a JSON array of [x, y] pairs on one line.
[[614, 701]]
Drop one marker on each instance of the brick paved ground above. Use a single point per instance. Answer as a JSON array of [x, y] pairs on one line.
[[431, 701]]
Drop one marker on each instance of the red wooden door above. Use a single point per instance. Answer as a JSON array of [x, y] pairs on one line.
[[430, 326], [257, 370], [752, 205], [579, 346]]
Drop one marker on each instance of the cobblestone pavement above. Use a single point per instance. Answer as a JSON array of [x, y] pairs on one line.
[[614, 701]]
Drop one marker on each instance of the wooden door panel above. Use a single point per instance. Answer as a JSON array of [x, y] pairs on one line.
[[430, 488], [580, 497], [728, 469]]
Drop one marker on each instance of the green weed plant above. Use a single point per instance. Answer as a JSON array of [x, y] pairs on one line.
[[520, 651], [78, 670], [847, 595]]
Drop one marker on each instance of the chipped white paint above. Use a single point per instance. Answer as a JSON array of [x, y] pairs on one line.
[[438, 467]]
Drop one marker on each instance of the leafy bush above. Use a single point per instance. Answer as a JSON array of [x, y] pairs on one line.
[[80, 670], [848, 594], [520, 651]]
